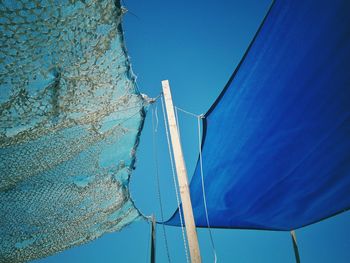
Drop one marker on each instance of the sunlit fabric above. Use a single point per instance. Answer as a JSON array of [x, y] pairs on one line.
[[276, 147], [70, 119]]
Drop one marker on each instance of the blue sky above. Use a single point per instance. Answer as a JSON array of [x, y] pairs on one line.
[[196, 45]]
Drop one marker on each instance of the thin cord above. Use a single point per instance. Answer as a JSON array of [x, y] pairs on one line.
[[177, 121], [174, 180], [203, 187], [157, 120], [155, 153], [190, 113], [199, 117]]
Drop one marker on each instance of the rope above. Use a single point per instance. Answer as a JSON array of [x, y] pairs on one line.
[[155, 153], [157, 120], [199, 117], [203, 187], [174, 180], [189, 113], [177, 121]]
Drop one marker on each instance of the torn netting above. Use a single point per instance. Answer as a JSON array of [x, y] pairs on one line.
[[70, 118]]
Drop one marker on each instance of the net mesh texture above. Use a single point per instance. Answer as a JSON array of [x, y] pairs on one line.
[[70, 120]]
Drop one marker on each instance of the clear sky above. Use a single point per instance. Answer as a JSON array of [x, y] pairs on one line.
[[196, 45]]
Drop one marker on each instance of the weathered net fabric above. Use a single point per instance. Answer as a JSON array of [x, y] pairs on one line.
[[70, 118]]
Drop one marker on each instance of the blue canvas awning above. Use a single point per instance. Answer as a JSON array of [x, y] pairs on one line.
[[276, 143]]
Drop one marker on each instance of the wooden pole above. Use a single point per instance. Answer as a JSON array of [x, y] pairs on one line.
[[153, 240], [181, 176], [295, 246]]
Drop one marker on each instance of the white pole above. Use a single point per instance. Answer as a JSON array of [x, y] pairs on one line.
[[181, 176]]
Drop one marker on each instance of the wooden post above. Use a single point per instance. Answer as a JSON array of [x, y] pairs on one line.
[[295, 246], [181, 176], [153, 240]]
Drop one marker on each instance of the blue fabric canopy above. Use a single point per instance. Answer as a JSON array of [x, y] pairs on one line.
[[276, 143]]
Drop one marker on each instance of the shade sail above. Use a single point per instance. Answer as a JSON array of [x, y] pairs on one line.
[[276, 143], [70, 117]]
